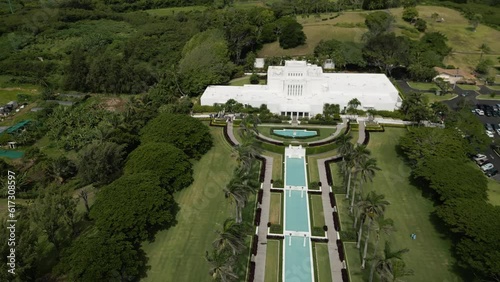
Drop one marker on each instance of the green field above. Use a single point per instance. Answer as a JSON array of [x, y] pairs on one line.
[[178, 253], [277, 165], [273, 261], [321, 262], [316, 207], [275, 216], [468, 87], [426, 86], [430, 255], [494, 192]]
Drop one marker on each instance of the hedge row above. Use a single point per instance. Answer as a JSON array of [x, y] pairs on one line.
[[255, 244], [340, 248], [322, 122], [279, 237], [393, 125], [320, 240], [251, 272], [256, 221], [260, 195], [262, 175], [367, 138], [226, 135], [328, 171], [321, 149]]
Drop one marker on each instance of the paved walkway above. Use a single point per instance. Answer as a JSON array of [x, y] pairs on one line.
[[260, 258], [361, 135], [335, 264], [340, 129]]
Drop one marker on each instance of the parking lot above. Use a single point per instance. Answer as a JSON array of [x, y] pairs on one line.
[[494, 119]]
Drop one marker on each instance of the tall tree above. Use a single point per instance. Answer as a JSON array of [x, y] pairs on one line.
[[373, 206], [221, 266], [383, 226], [366, 171], [415, 107], [100, 163], [384, 265], [230, 237], [475, 21], [359, 155], [135, 206]]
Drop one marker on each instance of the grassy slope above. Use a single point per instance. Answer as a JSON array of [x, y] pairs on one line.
[[494, 192], [455, 27], [178, 253], [429, 255]]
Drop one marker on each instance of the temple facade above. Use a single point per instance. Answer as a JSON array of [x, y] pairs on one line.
[[299, 89]]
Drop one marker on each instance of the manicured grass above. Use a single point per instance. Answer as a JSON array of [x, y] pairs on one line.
[[324, 132], [429, 255], [173, 10], [435, 98], [273, 261], [275, 208], [353, 260], [317, 214], [494, 192], [494, 87], [422, 85], [312, 163], [488, 97], [244, 80], [468, 87], [321, 262], [336, 175], [277, 165], [178, 253]]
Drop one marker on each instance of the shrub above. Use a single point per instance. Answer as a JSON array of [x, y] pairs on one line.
[[254, 78]]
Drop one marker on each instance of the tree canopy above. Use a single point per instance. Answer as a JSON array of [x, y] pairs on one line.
[[135, 206], [170, 164], [184, 132], [100, 163]]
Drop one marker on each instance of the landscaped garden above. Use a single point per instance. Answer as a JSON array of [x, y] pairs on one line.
[[276, 213], [322, 133], [274, 261], [322, 271], [429, 256], [317, 214]]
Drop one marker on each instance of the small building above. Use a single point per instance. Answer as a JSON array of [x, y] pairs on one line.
[[455, 76], [259, 63]]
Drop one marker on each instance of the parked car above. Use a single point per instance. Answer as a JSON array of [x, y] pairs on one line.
[[498, 130], [480, 112], [488, 113], [488, 126], [479, 157], [482, 162], [487, 166], [491, 172], [490, 134]]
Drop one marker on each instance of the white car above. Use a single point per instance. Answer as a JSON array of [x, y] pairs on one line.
[[480, 112], [498, 130], [490, 133], [480, 157], [487, 166]]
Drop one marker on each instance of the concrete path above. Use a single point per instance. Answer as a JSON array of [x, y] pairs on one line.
[[335, 264], [260, 258], [230, 133], [361, 135]]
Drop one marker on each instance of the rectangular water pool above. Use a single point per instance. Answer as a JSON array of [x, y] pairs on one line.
[[296, 211], [297, 267], [295, 172]]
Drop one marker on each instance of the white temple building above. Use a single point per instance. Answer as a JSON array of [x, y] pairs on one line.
[[301, 89]]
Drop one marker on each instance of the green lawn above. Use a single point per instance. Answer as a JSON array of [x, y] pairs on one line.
[[321, 262], [312, 164], [316, 207], [173, 10], [178, 253], [273, 261], [435, 98], [494, 87], [494, 192], [468, 87], [430, 255], [244, 80], [277, 165], [275, 208], [488, 97], [324, 132], [422, 85]]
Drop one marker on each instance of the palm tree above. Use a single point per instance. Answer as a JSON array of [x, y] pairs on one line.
[[238, 192], [231, 237], [373, 206], [366, 170], [484, 49], [221, 265], [359, 155], [386, 264], [382, 226]]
